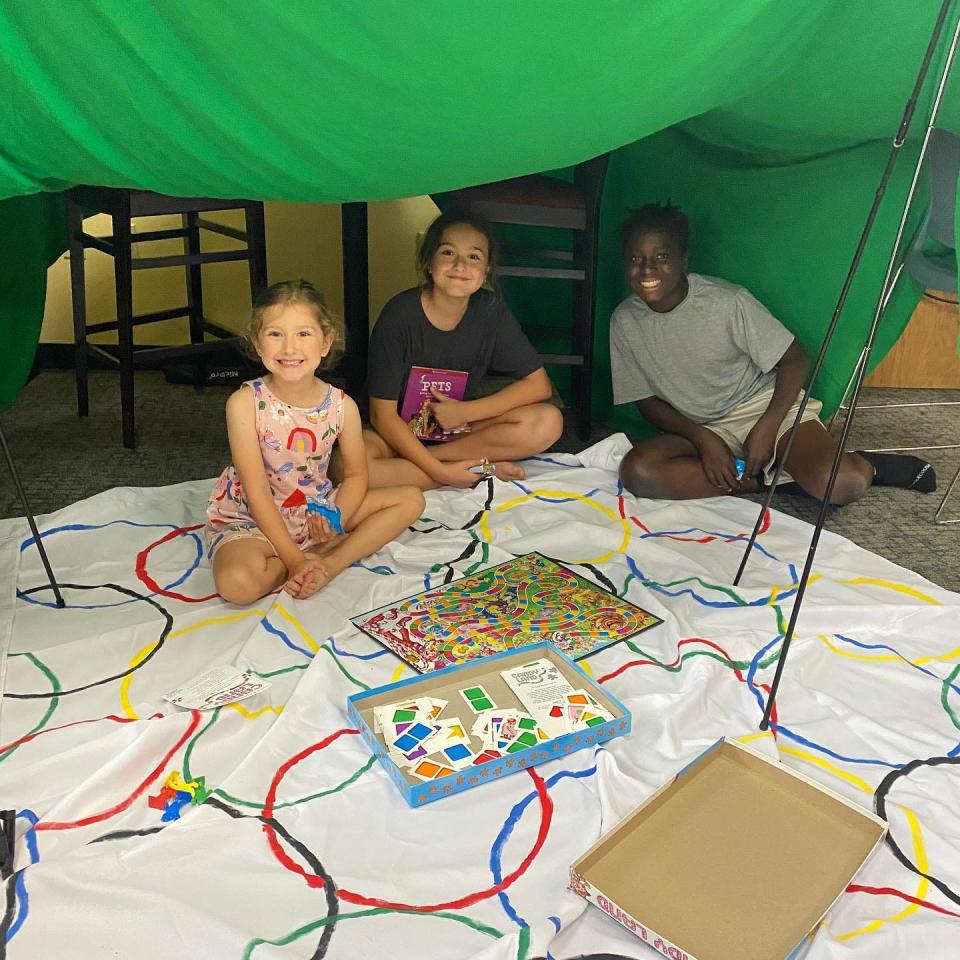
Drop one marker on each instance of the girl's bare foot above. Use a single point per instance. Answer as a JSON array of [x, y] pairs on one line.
[[316, 579], [508, 470], [312, 577], [329, 560]]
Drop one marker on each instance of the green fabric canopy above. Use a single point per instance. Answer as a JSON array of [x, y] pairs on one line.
[[767, 120]]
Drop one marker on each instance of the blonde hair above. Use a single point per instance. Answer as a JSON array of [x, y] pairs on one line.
[[289, 293]]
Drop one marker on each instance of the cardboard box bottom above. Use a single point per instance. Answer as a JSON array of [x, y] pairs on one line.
[[736, 859]]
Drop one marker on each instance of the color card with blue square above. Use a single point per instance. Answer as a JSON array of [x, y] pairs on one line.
[[457, 751]]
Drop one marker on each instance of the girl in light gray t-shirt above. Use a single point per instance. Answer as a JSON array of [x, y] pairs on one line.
[[706, 363]]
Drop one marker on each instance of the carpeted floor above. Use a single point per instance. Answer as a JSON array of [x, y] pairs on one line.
[[181, 434]]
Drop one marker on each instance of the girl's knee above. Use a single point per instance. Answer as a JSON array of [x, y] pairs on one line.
[[554, 422], [851, 483], [547, 425], [238, 584], [406, 501], [639, 475], [413, 501]]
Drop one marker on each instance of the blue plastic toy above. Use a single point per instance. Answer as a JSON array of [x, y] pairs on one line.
[[171, 809], [329, 511], [741, 465]]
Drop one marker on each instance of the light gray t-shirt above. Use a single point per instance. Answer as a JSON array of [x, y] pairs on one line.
[[706, 356]]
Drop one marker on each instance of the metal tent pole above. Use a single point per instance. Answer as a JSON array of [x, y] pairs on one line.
[[898, 141], [33, 523], [888, 281]]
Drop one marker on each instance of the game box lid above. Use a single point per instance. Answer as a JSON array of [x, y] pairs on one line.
[[738, 857]]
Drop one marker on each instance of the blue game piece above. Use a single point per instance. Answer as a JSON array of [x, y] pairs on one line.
[[457, 751], [419, 730], [329, 511], [171, 809], [741, 465]]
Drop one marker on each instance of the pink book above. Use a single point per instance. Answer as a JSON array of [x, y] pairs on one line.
[[416, 410]]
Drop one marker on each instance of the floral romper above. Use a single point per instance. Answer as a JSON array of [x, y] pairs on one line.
[[295, 443]]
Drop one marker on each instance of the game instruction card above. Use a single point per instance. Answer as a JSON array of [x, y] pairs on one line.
[[537, 684], [549, 697], [217, 687]]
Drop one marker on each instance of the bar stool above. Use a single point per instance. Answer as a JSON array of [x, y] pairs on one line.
[[538, 200], [122, 205]]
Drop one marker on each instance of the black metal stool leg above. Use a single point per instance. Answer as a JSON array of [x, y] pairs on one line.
[[123, 274], [256, 247], [356, 294], [79, 303], [33, 523], [582, 297], [191, 247], [194, 280]]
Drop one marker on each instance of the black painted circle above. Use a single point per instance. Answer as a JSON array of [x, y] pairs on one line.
[[168, 624], [880, 805]]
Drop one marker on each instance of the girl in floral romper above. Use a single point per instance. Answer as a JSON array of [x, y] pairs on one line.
[[282, 428]]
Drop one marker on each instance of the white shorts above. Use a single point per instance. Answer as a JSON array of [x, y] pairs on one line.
[[734, 427]]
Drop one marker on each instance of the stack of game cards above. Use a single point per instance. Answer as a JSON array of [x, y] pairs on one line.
[[428, 744], [420, 740], [555, 705], [507, 730]]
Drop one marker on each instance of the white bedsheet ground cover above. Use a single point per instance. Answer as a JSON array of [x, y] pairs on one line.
[[305, 849]]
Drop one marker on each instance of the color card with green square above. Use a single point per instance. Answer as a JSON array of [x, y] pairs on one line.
[[478, 699]]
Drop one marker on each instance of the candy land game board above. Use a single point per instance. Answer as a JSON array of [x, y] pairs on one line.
[[512, 604]]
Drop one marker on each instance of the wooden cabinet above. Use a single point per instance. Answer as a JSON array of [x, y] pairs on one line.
[[926, 353]]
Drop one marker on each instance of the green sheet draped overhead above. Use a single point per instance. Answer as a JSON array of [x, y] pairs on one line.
[[31, 237], [345, 101]]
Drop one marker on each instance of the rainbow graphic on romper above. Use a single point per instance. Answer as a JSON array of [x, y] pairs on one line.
[[302, 440]]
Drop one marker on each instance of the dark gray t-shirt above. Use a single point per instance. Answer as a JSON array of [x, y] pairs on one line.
[[487, 339], [710, 353]]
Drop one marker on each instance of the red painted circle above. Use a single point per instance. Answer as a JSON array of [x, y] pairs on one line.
[[141, 568], [313, 880]]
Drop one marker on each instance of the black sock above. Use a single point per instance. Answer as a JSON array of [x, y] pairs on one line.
[[901, 470]]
